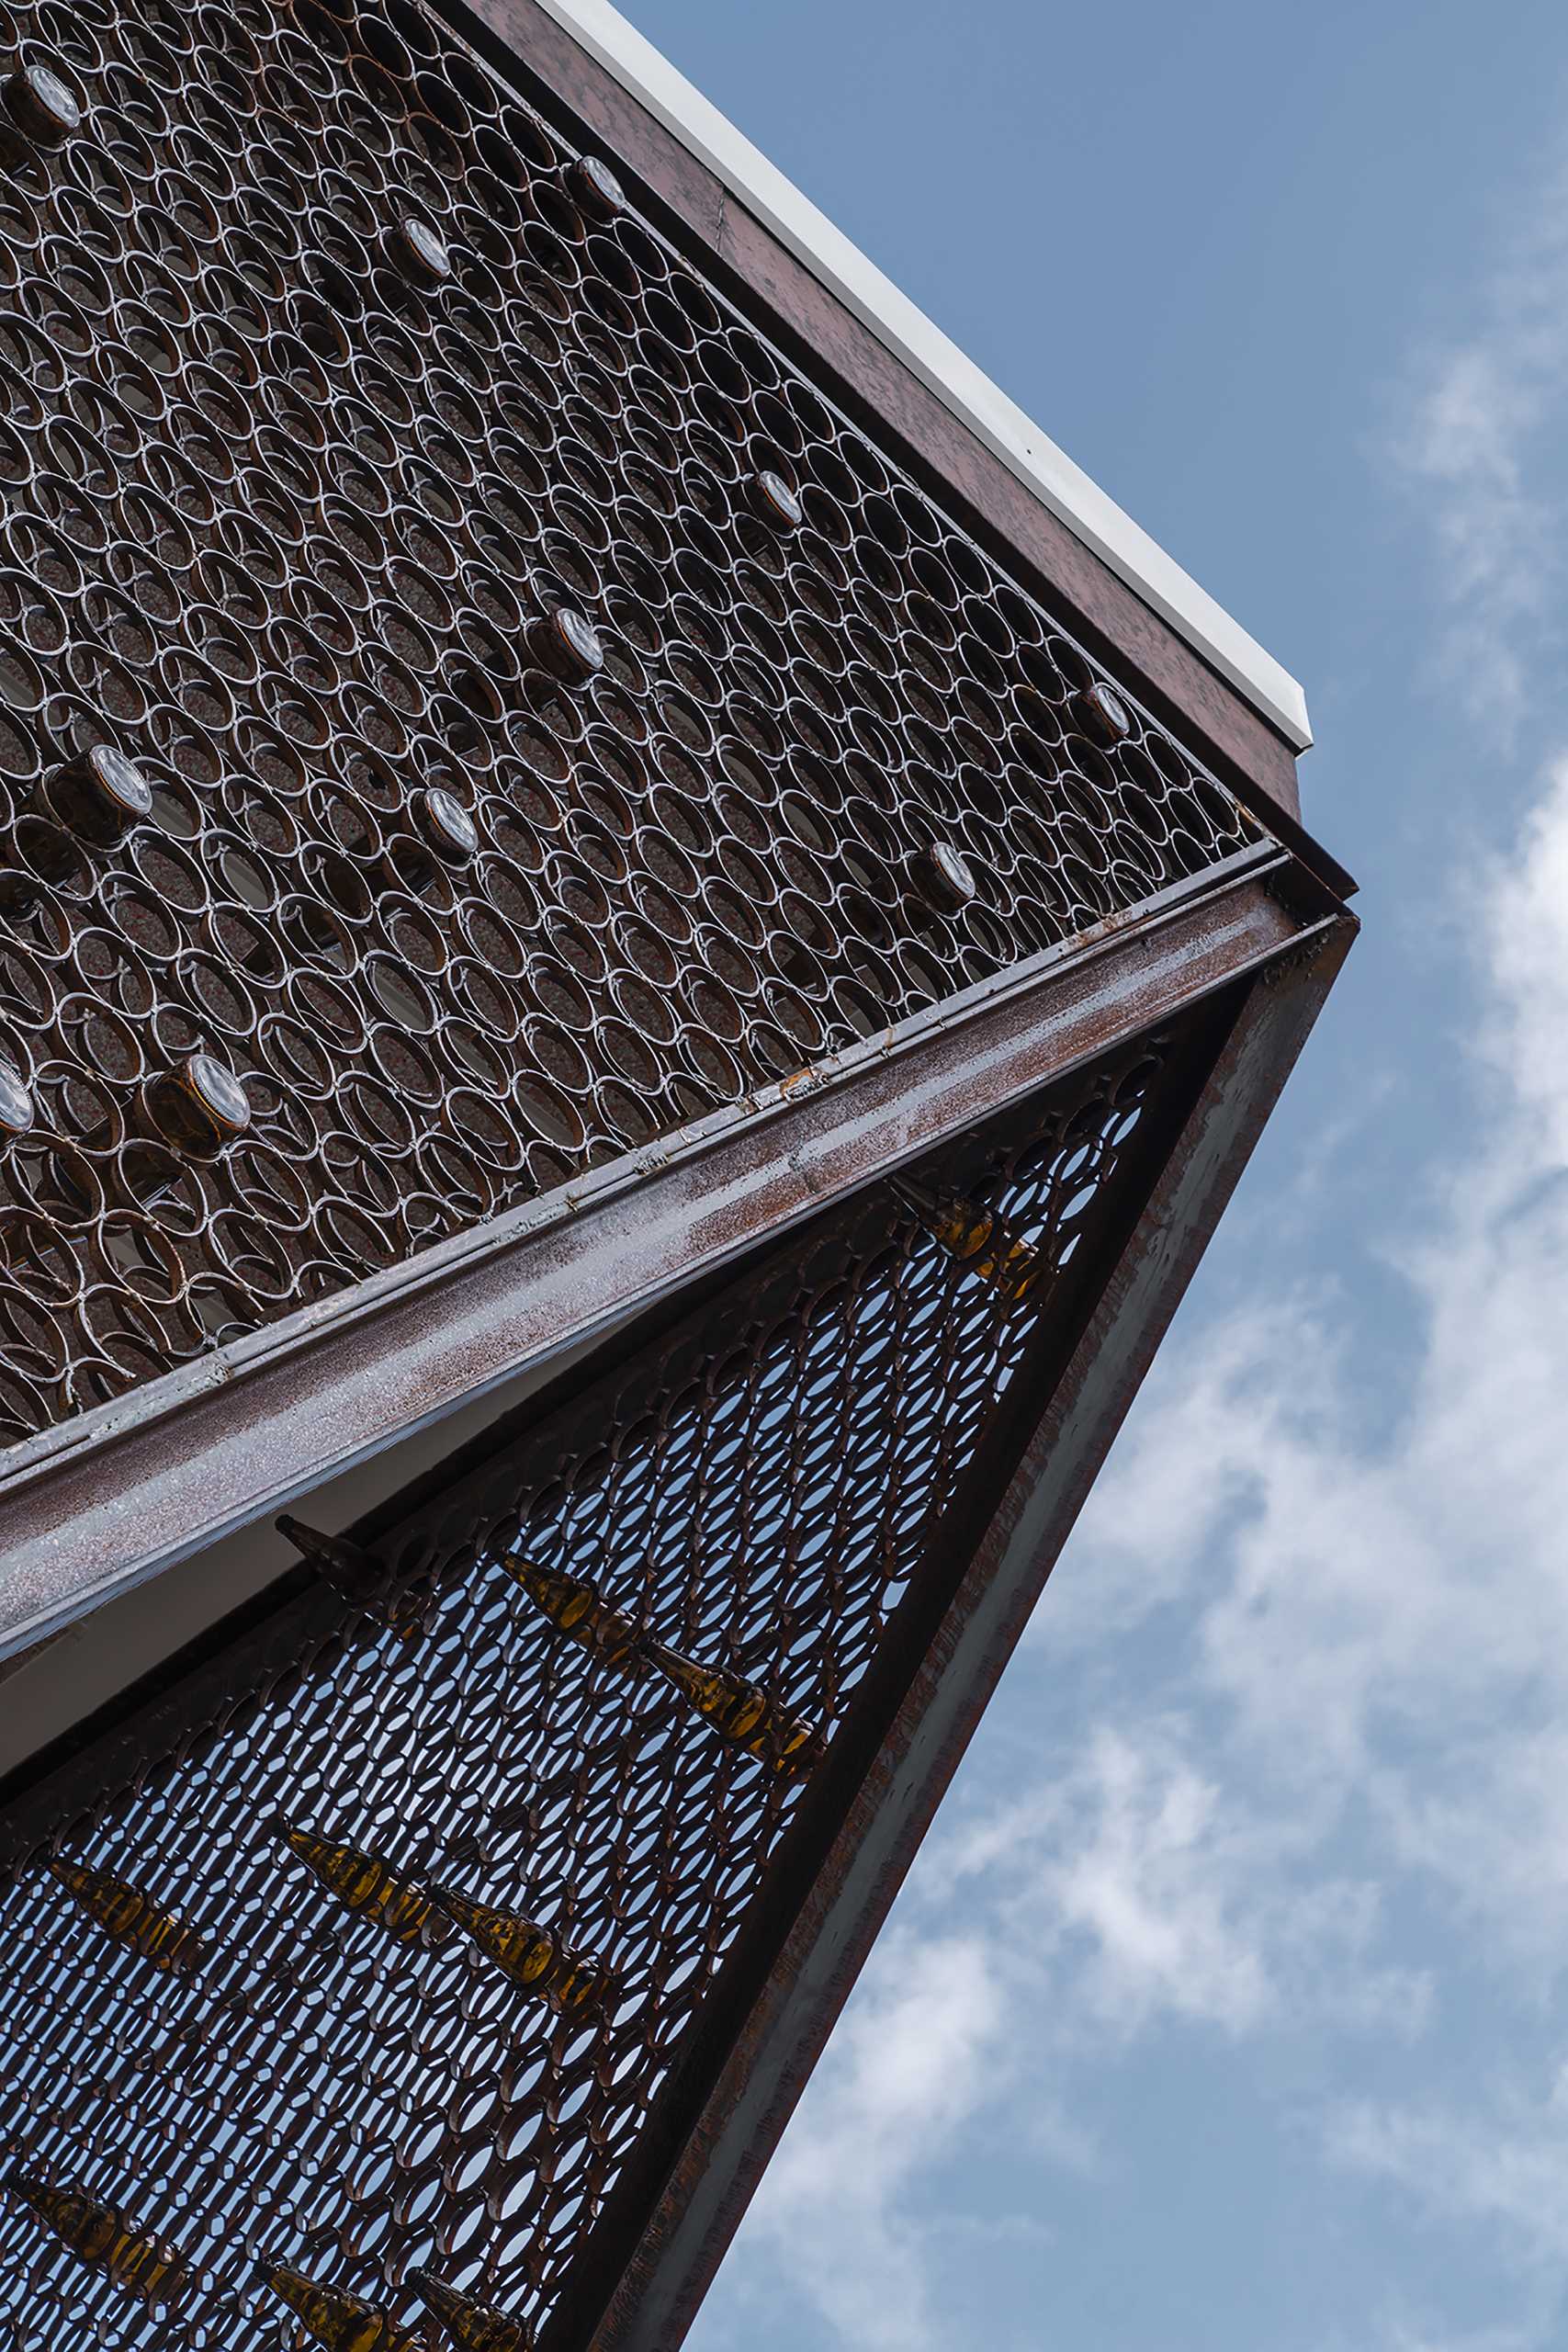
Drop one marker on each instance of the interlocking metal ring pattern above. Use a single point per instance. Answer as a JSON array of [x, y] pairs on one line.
[[327, 387], [317, 2093]]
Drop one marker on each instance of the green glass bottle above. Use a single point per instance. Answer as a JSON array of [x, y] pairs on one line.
[[575, 1609], [131, 1918], [983, 1244], [743, 1715], [357, 1575], [362, 1882], [343, 2323], [473, 2327], [532, 1956], [103, 2239]]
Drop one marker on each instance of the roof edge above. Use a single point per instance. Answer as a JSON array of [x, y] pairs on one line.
[[995, 420]]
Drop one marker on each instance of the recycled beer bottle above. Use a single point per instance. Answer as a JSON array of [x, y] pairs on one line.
[[41, 105], [982, 1242], [743, 1715], [193, 1111], [364, 1884], [776, 502], [131, 1918], [99, 798], [595, 187], [342, 2322], [576, 1610], [91, 805], [355, 1573], [419, 251], [446, 824], [473, 2327], [939, 881], [100, 2236], [1102, 713], [532, 1956], [198, 1108], [18, 1109], [566, 643]]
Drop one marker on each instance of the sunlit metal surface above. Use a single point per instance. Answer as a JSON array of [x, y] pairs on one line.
[[555, 719], [520, 821], [341, 2088]]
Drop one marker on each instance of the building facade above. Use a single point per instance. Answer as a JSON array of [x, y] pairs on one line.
[[639, 942]]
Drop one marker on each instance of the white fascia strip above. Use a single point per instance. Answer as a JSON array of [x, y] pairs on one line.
[[995, 420]]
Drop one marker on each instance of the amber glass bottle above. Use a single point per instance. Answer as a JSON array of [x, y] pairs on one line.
[[193, 1111], [343, 2323], [473, 2327], [99, 798], [419, 251], [776, 502], [941, 881], [364, 1884], [446, 824], [567, 644], [92, 804], [357, 1575], [577, 1611], [100, 2236], [40, 105], [531, 1955], [132, 1919], [983, 1243], [198, 1108], [743, 1715], [595, 187], [1102, 713]]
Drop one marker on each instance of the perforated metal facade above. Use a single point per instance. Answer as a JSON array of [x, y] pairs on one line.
[[521, 797], [288, 522], [312, 2091]]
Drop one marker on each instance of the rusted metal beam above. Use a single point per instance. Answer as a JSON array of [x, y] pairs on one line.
[[648, 2265], [101, 1502]]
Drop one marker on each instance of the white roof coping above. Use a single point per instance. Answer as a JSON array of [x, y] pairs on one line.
[[994, 419]]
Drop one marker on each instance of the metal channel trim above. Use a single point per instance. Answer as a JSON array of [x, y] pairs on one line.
[[104, 1502]]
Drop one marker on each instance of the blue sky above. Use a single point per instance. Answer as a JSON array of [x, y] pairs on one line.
[[1226, 2008]]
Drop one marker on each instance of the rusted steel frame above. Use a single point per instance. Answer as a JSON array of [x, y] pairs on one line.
[[528, 48], [645, 2268], [102, 1502], [257, 1647]]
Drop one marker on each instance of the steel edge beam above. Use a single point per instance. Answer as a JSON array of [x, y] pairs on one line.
[[101, 1503], [849, 1850]]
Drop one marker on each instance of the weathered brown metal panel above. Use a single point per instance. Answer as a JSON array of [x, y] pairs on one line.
[[203, 1453], [542, 779], [1125, 630]]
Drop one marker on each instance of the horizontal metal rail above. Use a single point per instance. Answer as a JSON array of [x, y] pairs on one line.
[[97, 1504]]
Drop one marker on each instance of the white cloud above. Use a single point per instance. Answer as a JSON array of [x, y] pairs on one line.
[[1471, 447], [1364, 1621], [1344, 1616], [1398, 2332], [914, 2058], [1131, 1888], [1379, 1600], [1505, 2164], [1364, 1617]]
